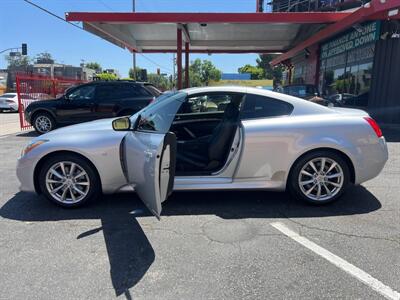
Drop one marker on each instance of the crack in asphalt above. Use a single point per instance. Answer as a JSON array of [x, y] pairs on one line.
[[338, 232]]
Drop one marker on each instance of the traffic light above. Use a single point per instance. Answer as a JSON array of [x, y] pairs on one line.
[[24, 49], [158, 71]]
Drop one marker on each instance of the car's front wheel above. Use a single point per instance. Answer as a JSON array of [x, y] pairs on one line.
[[69, 180], [43, 122], [319, 177]]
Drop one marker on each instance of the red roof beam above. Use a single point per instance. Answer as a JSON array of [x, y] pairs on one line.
[[217, 51], [150, 18]]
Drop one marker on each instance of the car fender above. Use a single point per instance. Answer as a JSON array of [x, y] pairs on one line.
[[43, 109], [106, 158], [314, 143]]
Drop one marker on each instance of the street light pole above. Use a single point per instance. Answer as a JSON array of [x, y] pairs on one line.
[[133, 53]]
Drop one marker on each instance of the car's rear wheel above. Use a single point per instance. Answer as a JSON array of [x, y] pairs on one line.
[[69, 180], [43, 122], [319, 177]]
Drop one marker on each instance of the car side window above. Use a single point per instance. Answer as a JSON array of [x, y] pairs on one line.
[[257, 106], [82, 93], [134, 90], [106, 92], [207, 103]]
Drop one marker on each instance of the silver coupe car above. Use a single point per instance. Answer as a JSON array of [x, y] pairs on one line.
[[211, 138]]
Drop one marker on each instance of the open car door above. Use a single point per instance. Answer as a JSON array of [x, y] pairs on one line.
[[149, 152]]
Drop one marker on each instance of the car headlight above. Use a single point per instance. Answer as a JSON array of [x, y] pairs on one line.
[[32, 145]]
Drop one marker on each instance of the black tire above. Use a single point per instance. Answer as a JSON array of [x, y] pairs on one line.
[[43, 116], [93, 190], [296, 189]]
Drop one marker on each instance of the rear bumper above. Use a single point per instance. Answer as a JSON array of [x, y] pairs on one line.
[[371, 161], [6, 106]]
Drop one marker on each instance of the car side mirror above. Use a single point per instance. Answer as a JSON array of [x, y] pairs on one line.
[[122, 124]]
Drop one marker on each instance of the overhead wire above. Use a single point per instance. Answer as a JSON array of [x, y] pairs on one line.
[[62, 19]]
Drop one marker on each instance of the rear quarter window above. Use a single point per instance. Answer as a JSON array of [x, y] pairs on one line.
[[257, 107]]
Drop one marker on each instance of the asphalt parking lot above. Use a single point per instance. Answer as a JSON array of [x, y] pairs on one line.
[[208, 245], [9, 123]]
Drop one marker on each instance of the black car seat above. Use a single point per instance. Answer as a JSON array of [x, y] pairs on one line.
[[210, 153]]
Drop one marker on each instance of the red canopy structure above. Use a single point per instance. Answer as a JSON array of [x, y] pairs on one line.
[[274, 32], [205, 32]]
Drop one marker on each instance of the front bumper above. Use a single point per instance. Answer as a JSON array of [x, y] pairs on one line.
[[25, 169]]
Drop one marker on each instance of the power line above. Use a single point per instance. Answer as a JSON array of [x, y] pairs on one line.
[[106, 5], [52, 14], [152, 61], [62, 19]]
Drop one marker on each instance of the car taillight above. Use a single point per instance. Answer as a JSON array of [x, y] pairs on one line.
[[374, 126]]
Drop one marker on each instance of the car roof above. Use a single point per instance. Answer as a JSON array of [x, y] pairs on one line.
[[301, 106]]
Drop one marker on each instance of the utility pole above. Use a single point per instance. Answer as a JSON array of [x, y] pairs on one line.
[[134, 54]]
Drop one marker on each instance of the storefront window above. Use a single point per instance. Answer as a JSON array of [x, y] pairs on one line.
[[346, 65], [347, 77]]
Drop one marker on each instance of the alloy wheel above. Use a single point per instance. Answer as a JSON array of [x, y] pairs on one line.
[[67, 182], [43, 124], [321, 178]]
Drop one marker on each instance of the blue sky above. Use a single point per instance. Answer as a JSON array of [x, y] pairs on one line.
[[23, 23]]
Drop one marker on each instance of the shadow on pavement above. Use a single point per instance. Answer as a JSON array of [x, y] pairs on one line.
[[130, 252], [31, 133]]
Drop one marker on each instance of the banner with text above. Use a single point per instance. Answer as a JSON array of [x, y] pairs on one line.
[[355, 38]]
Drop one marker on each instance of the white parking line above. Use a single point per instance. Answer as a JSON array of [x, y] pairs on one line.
[[364, 277]]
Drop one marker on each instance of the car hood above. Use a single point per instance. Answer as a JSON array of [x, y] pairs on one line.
[[97, 125]]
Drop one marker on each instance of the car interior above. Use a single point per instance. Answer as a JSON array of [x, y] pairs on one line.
[[205, 127]]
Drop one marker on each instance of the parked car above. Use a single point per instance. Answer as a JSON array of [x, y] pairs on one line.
[[339, 98], [350, 100], [91, 101], [9, 102], [308, 92], [304, 91], [259, 140]]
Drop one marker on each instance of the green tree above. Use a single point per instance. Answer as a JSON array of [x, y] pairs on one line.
[[270, 72], [161, 82], [202, 72], [138, 72], [94, 66], [106, 76], [17, 61], [44, 57], [255, 72]]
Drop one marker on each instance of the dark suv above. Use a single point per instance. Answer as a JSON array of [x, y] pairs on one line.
[[87, 102]]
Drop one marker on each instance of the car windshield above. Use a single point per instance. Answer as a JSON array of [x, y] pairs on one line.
[[158, 116]]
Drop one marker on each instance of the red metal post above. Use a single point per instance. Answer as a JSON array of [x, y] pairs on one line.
[[54, 88], [187, 80], [257, 5], [179, 57], [20, 108]]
